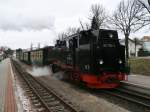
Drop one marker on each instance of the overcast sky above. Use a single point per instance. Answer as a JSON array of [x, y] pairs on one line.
[[23, 22]]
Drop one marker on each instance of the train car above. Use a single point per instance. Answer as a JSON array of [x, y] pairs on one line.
[[94, 58], [40, 56], [1, 58], [26, 57], [19, 54]]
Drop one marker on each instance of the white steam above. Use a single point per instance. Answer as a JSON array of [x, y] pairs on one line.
[[40, 71]]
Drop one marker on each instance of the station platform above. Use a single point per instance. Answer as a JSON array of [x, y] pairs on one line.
[[140, 80], [7, 94]]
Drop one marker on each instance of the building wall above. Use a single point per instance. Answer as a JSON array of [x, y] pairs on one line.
[[131, 45]]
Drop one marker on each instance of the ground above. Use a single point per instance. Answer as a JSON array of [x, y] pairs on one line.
[[7, 97], [140, 66], [80, 98]]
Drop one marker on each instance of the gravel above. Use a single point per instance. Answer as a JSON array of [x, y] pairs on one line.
[[23, 102], [82, 98]]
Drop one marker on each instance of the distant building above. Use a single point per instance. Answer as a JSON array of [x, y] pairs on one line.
[[134, 46], [146, 38], [145, 50], [1, 54]]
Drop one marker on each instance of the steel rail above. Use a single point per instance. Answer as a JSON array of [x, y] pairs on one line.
[[131, 96], [39, 89]]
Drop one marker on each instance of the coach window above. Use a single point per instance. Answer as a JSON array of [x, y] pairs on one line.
[[40, 54]]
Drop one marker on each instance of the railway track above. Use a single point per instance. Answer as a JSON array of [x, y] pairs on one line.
[[44, 99], [47, 101], [132, 96]]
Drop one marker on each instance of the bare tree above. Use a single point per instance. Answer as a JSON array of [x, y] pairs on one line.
[[72, 30], [98, 15], [145, 4], [68, 32], [98, 18], [84, 26], [127, 19], [62, 35]]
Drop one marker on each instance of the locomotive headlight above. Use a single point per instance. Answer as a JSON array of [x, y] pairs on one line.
[[120, 61], [101, 62]]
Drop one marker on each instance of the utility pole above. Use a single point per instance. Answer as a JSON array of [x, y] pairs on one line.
[[31, 47], [135, 40], [39, 45]]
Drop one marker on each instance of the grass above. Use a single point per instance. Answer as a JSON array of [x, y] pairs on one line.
[[140, 66]]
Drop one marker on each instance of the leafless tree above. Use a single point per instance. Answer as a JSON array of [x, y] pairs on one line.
[[85, 25], [98, 13], [62, 35], [127, 19], [68, 32], [145, 4], [72, 30]]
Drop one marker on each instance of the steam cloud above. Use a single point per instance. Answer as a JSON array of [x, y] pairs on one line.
[[40, 71]]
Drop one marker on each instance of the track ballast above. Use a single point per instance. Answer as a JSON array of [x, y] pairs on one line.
[[42, 97], [132, 96]]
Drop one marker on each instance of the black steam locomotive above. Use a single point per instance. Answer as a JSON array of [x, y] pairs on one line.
[[93, 57]]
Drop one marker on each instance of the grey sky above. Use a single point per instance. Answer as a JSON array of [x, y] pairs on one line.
[[23, 22]]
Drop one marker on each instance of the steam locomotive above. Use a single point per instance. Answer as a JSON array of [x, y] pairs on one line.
[[92, 57]]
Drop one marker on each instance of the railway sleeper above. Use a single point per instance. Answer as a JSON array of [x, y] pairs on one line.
[[57, 108], [35, 101], [44, 94], [31, 95], [54, 103], [49, 96], [25, 86], [37, 85], [50, 100], [33, 98], [38, 104], [28, 90], [41, 91], [41, 109]]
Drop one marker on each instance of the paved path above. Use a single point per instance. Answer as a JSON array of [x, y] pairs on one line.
[[7, 99], [140, 80], [3, 82]]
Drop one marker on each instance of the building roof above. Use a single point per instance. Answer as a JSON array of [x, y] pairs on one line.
[[146, 38]]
